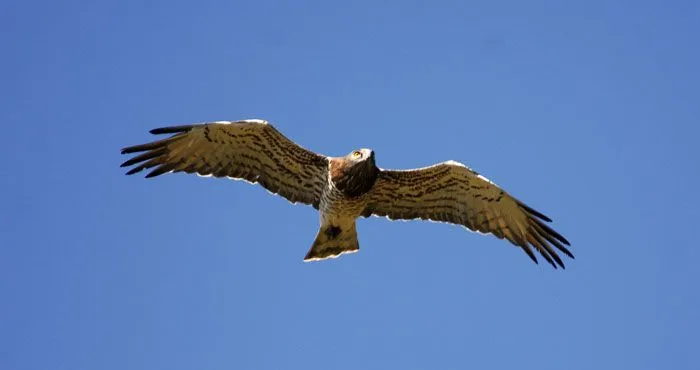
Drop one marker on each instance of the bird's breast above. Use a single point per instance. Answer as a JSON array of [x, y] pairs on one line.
[[336, 205]]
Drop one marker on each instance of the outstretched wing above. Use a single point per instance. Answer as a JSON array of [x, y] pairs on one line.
[[251, 150], [451, 192]]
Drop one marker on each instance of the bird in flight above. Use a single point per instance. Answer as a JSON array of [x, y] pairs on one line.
[[345, 188]]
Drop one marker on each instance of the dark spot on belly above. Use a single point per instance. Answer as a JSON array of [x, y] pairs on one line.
[[332, 232]]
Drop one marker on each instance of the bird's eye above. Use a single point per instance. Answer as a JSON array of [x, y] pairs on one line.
[[357, 154]]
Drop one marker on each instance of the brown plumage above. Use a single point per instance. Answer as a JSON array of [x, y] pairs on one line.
[[353, 179], [344, 188], [249, 150], [453, 193]]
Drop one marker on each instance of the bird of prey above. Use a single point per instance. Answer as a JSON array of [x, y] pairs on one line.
[[345, 188]]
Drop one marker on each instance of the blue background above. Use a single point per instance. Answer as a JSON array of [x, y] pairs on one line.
[[586, 110]]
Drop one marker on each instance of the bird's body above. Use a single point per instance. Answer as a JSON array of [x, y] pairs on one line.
[[345, 188], [343, 200]]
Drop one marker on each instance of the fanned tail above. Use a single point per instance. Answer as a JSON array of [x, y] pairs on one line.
[[332, 241]]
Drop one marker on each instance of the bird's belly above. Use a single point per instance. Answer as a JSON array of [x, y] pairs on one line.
[[336, 207]]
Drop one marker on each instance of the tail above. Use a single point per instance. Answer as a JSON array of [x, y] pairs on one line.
[[332, 241]]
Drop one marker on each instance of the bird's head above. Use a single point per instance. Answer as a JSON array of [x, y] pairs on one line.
[[360, 156], [355, 173]]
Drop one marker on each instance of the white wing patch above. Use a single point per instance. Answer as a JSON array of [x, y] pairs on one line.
[[449, 163], [455, 163], [487, 180], [255, 120]]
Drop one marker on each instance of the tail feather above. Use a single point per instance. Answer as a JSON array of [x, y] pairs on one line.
[[332, 241]]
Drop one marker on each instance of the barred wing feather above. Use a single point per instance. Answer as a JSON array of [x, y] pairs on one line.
[[251, 150], [453, 193]]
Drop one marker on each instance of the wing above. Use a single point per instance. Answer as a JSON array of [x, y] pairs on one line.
[[251, 150], [451, 192]]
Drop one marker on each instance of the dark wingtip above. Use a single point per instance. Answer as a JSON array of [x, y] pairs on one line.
[[558, 260], [145, 156], [567, 252], [543, 217], [132, 161], [528, 251], [534, 212], [547, 257], [553, 233], [134, 170], [171, 129], [129, 150], [164, 168]]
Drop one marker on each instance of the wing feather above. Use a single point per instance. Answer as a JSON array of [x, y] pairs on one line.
[[453, 193], [251, 150]]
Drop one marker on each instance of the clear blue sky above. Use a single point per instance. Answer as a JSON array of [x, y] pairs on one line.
[[586, 110]]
